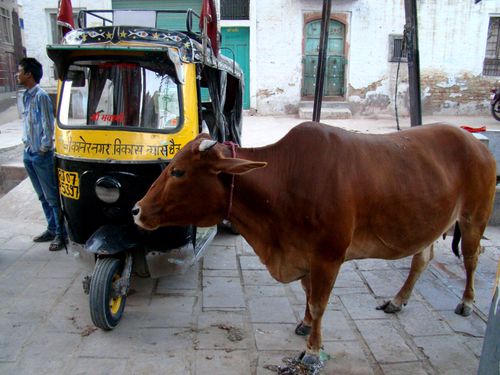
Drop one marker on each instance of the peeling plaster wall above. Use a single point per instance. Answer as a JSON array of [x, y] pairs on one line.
[[371, 77], [452, 36], [452, 49], [279, 56]]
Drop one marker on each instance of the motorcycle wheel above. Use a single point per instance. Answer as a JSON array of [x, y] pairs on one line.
[[495, 109], [106, 309]]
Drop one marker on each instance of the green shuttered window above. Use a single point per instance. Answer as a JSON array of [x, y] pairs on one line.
[[164, 21]]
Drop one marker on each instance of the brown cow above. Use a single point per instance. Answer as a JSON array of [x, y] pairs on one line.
[[328, 195]]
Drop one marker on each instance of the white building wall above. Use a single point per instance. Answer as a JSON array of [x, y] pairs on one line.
[[452, 36], [37, 31], [279, 55]]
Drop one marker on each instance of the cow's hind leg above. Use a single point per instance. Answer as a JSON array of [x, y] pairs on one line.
[[471, 236], [418, 265]]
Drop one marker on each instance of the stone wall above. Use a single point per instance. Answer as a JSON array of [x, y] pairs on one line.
[[462, 94]]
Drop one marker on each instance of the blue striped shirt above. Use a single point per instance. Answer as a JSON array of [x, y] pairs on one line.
[[38, 127]]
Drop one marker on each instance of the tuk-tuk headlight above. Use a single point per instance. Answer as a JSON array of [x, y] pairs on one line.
[[107, 189]]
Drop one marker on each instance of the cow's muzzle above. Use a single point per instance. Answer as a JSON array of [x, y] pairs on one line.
[[136, 213], [139, 218]]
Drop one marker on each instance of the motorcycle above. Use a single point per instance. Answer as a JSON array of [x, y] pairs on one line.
[[495, 103]]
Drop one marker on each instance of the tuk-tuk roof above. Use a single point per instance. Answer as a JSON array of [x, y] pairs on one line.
[[140, 39]]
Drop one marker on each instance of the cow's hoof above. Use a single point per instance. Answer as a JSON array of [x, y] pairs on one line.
[[302, 329], [463, 309], [389, 307], [309, 360]]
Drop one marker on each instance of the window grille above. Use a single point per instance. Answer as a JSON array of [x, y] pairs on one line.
[[491, 65], [234, 9], [397, 52]]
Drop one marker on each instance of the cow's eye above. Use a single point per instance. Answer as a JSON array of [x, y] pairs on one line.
[[176, 173]]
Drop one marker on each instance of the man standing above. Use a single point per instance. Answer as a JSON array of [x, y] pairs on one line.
[[38, 158]]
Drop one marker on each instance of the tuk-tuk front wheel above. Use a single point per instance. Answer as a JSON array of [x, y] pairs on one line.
[[106, 308]]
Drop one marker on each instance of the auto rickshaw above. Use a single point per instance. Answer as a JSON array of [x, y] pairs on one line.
[[129, 98]]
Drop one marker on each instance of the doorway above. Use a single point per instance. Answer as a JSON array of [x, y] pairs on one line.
[[236, 39], [334, 84]]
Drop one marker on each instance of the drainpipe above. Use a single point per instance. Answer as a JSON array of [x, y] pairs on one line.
[[320, 72]]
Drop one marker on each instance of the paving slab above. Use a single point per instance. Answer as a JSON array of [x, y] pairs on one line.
[[223, 293], [222, 362], [384, 282], [248, 262], [336, 326], [281, 312], [349, 279], [256, 291], [413, 316], [448, 354], [187, 281], [437, 294], [172, 311], [413, 368], [62, 345], [277, 337], [347, 357], [222, 331], [385, 342], [169, 363], [221, 258], [362, 306], [269, 360], [98, 366], [258, 278]]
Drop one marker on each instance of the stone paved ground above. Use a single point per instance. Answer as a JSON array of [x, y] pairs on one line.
[[226, 315]]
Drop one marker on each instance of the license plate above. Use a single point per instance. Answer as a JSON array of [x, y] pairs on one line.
[[69, 184]]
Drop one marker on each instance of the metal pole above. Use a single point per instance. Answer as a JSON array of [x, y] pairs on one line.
[[323, 47], [413, 62]]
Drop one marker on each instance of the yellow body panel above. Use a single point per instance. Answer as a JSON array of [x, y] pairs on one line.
[[133, 145]]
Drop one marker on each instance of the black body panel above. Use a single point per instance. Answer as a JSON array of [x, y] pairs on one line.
[[88, 213]]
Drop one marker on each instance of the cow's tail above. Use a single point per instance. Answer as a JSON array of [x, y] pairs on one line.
[[456, 240]]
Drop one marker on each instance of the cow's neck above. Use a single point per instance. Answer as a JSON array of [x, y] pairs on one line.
[[254, 201]]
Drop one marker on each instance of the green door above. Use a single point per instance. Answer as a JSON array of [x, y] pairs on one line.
[[335, 64], [237, 39]]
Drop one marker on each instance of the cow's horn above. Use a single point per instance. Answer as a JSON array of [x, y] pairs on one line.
[[207, 144]]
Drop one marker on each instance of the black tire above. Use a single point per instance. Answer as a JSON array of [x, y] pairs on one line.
[[495, 109], [105, 310]]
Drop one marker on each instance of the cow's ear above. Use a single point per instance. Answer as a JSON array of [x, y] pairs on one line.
[[237, 166]]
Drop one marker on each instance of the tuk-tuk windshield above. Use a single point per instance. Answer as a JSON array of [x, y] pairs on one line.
[[119, 94]]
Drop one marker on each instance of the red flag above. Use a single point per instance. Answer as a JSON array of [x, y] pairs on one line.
[[65, 16], [209, 17]]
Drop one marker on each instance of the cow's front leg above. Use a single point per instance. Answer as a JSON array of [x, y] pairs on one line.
[[322, 278], [418, 265], [304, 327]]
